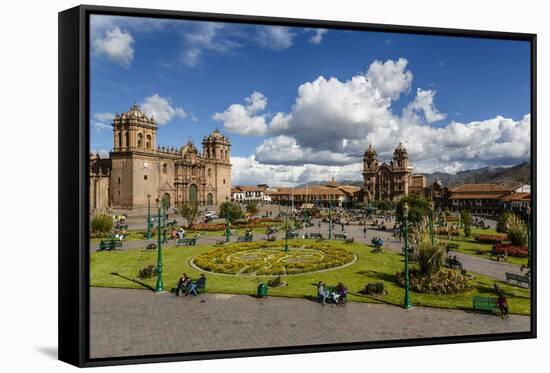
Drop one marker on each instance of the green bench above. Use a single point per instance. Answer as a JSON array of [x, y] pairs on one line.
[[109, 245], [172, 223], [291, 235], [317, 236], [330, 297], [186, 242], [486, 304], [518, 279], [200, 290], [246, 238], [122, 227]]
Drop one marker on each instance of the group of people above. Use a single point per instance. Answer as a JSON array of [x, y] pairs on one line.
[[338, 294], [188, 287]]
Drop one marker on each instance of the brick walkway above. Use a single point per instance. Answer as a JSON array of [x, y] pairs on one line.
[[127, 322]]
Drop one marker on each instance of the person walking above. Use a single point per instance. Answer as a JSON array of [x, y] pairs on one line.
[[365, 232]]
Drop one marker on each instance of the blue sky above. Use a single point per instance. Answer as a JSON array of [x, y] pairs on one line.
[[305, 103]]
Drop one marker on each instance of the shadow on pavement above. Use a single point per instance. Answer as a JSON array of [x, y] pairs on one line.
[[133, 280]]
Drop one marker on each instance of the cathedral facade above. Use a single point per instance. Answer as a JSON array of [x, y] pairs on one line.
[[137, 168], [387, 181]]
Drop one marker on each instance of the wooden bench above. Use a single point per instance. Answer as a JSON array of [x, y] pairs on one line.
[[317, 236], [291, 235], [247, 238], [453, 264], [518, 279], [452, 246], [186, 242], [330, 298], [487, 304], [338, 236], [122, 227], [200, 290], [109, 245]]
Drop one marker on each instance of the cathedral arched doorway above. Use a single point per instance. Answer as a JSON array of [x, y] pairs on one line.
[[193, 194], [209, 199]]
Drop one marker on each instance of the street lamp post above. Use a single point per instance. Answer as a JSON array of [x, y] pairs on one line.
[[227, 233], [148, 216], [160, 284], [430, 217], [330, 217], [407, 300], [286, 232]]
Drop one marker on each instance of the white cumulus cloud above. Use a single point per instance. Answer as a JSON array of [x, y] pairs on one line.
[[275, 37], [318, 37], [332, 122], [161, 109], [115, 44]]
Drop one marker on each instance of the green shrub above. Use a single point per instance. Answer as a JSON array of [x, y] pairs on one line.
[[102, 223], [506, 221], [148, 272], [517, 234], [375, 288], [466, 221], [430, 258]]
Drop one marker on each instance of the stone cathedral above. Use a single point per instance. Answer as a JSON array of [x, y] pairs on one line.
[[388, 181], [138, 167]]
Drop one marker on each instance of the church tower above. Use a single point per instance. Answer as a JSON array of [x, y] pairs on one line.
[[216, 148], [370, 171], [402, 172], [135, 171], [134, 132], [400, 158]]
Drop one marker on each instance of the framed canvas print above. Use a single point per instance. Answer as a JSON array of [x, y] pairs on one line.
[[235, 186]]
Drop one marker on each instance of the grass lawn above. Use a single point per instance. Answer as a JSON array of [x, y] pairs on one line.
[[468, 245], [120, 269]]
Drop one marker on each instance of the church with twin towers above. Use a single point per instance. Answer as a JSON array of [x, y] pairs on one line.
[[137, 167]]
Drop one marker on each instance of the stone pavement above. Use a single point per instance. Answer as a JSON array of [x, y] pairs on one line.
[[126, 322]]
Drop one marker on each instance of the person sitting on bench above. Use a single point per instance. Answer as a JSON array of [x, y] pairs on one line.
[[192, 286], [341, 292], [182, 284], [322, 292], [503, 306]]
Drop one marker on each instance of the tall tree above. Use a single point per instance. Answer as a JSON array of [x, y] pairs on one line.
[[231, 211], [190, 211]]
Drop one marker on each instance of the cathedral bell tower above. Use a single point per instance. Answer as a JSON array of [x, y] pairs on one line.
[[370, 170], [216, 149], [134, 132], [400, 158]]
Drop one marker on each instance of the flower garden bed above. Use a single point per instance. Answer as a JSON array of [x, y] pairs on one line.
[[511, 250], [260, 259], [491, 238], [446, 281]]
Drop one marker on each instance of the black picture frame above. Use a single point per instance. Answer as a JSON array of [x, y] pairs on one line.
[[74, 115]]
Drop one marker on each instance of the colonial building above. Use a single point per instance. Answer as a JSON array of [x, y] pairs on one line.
[[387, 181], [488, 198], [138, 167], [250, 193], [331, 194]]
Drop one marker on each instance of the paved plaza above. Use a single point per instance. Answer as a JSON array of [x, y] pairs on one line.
[[126, 322]]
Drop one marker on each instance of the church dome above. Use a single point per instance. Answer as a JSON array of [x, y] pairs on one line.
[[370, 153], [400, 151]]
